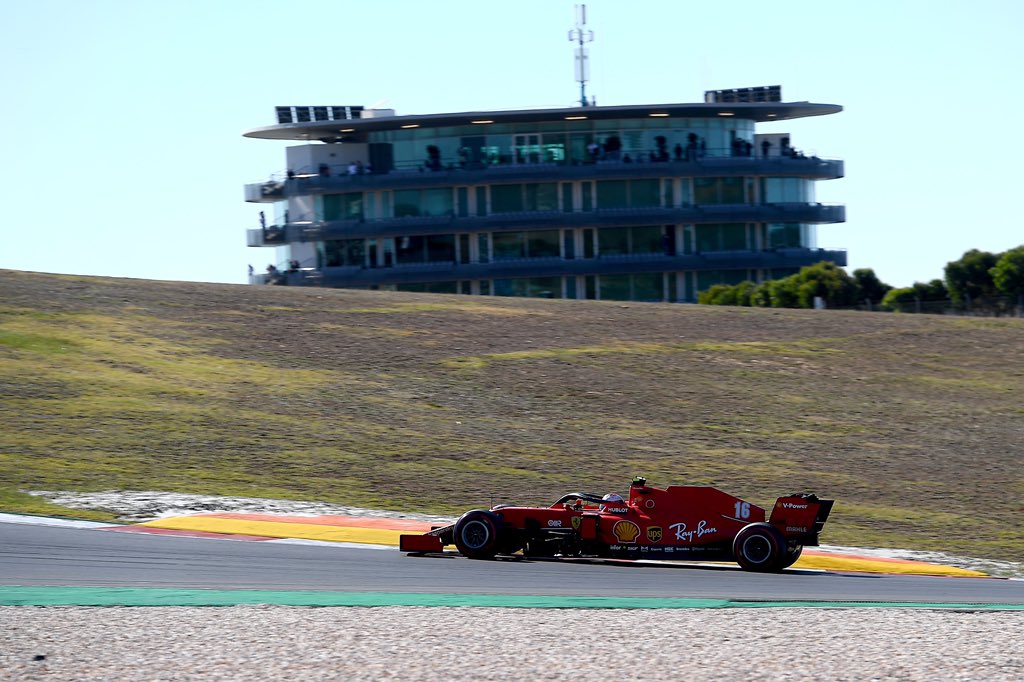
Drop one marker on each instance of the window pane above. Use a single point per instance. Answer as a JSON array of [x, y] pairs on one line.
[[648, 287], [407, 202], [667, 193], [436, 201], [709, 278], [410, 250], [784, 235], [542, 196], [542, 244], [481, 200], [508, 245], [441, 248], [731, 190], [332, 206], [510, 287], [707, 238], [614, 241], [506, 198], [612, 194], [343, 252], [484, 248], [648, 240], [705, 191], [644, 193], [545, 287], [614, 287], [734, 237]]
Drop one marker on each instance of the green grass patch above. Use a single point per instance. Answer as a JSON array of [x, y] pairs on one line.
[[23, 503], [440, 403]]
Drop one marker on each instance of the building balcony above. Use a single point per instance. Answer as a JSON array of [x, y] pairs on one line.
[[815, 213], [446, 271], [302, 184]]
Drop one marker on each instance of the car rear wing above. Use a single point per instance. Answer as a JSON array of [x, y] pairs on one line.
[[801, 517]]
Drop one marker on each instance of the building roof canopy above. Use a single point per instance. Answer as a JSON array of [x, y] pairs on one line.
[[357, 128]]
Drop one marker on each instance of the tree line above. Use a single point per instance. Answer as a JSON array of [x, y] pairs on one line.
[[979, 280]]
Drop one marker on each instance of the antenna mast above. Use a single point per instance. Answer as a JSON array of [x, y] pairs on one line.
[[581, 35]]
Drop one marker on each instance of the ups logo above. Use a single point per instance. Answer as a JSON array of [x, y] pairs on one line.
[[577, 521], [654, 534]]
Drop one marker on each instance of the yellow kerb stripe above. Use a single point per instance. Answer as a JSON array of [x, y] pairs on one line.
[[273, 529]]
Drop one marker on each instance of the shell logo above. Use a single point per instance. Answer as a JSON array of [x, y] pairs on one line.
[[626, 532]]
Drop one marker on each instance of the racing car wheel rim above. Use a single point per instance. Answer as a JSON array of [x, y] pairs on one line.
[[476, 534], [757, 549]]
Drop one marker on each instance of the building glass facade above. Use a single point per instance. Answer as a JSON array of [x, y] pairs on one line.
[[618, 203]]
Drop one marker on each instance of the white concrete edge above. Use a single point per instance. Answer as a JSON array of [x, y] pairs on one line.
[[52, 521]]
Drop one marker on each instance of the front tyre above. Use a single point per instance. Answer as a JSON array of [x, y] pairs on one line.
[[476, 534], [760, 547]]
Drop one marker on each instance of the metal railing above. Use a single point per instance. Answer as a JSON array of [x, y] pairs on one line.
[[311, 181]]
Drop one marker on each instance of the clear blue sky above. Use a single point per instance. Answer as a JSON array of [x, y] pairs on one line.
[[121, 120]]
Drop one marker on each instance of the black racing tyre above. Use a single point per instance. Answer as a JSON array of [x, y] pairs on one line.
[[476, 534], [790, 556], [759, 547]]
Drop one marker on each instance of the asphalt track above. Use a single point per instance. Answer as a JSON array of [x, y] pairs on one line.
[[32, 555]]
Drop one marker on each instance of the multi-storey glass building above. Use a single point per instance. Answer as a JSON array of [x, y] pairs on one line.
[[640, 202]]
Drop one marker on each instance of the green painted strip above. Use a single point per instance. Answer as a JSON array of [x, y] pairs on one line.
[[125, 596]]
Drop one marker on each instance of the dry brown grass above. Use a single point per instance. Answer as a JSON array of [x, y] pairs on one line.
[[441, 403]]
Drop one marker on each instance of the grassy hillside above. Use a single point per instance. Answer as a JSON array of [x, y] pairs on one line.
[[430, 403]]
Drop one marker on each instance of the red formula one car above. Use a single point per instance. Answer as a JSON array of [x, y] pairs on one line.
[[678, 522]]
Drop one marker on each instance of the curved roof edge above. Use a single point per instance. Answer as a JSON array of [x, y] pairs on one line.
[[757, 111]]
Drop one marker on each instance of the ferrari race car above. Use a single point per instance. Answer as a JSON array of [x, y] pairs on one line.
[[679, 522]]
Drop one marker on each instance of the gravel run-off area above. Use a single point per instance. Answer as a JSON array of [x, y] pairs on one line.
[[417, 643]]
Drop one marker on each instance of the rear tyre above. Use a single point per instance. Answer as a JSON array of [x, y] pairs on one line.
[[791, 555], [476, 534], [760, 547]]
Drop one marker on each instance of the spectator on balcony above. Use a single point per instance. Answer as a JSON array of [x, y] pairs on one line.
[[263, 220], [691, 147], [325, 170], [766, 146], [353, 169], [433, 157], [677, 152]]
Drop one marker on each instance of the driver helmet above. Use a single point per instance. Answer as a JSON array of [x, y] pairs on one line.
[[612, 497]]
